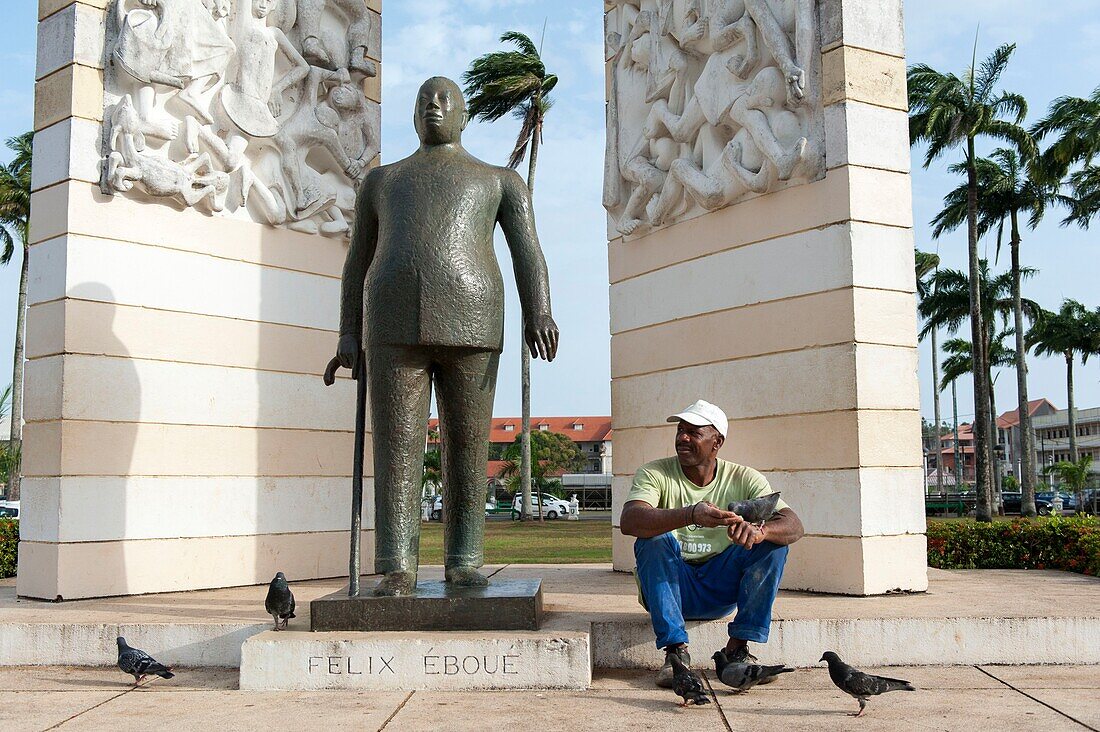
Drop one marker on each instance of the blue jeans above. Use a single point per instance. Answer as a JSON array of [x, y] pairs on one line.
[[743, 579]]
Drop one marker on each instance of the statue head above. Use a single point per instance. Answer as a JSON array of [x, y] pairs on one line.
[[262, 8], [440, 113]]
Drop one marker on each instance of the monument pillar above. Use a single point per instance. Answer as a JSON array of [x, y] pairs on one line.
[[185, 267], [761, 258]]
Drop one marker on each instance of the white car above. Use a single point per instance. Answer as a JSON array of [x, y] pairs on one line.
[[436, 512], [9, 509], [552, 507]]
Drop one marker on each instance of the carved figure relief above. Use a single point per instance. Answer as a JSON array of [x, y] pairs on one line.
[[709, 102], [246, 108]]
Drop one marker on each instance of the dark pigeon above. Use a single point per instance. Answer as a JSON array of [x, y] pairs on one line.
[[280, 601], [686, 684], [744, 676], [138, 663], [756, 510], [855, 683]]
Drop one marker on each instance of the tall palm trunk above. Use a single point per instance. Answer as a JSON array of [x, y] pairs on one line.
[[1027, 437], [957, 446], [17, 383], [525, 358], [936, 410], [998, 504], [1073, 456], [982, 468]]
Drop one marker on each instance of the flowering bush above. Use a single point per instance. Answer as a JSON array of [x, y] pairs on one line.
[[1071, 544], [9, 546]]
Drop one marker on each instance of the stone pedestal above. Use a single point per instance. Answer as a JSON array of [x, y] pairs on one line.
[[791, 304], [408, 661], [437, 605]]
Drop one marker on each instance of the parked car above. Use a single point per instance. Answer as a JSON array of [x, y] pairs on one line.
[[436, 511], [1013, 501], [9, 509], [552, 507], [1069, 501]]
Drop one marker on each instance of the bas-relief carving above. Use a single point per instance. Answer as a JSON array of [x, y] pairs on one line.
[[251, 108], [709, 102]]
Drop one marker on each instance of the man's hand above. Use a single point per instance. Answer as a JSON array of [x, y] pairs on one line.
[[541, 334], [745, 534], [347, 352], [709, 516]]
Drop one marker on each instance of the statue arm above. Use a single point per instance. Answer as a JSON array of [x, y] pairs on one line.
[[364, 240], [517, 221]]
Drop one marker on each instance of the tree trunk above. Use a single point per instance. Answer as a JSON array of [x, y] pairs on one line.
[[525, 362], [16, 444], [1027, 437], [998, 504], [983, 480], [936, 412], [1073, 455], [957, 447]]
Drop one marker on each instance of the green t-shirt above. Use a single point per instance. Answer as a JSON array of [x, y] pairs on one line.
[[662, 484]]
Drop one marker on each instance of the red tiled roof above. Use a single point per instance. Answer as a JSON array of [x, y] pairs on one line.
[[1012, 418], [591, 429]]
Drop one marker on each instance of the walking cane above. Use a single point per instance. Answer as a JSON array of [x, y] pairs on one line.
[[359, 374]]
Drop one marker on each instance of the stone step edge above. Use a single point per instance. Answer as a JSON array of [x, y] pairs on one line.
[[620, 644]]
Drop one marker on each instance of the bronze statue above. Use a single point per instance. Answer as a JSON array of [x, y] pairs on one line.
[[422, 252]]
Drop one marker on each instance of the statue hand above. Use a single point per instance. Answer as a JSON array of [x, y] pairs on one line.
[[348, 351], [276, 104], [541, 334]]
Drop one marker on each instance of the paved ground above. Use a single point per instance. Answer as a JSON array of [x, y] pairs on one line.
[[968, 698]]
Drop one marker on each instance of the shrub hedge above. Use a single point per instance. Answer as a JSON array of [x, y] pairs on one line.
[[1071, 544], [9, 546]]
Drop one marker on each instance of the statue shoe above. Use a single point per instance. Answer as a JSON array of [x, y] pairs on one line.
[[465, 577], [396, 584]]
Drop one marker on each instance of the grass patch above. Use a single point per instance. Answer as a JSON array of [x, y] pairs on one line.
[[517, 542]]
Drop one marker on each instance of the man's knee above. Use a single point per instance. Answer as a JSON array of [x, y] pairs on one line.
[[662, 544]]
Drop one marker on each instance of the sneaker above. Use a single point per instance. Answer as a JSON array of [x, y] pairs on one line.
[[742, 655], [664, 676]]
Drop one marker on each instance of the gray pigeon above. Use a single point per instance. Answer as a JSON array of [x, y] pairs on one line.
[[855, 683], [280, 601], [138, 663], [686, 684], [756, 510], [744, 676]]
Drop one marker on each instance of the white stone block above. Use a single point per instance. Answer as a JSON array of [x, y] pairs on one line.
[[620, 487], [886, 377], [192, 644], [875, 25], [811, 261], [87, 508], [76, 34], [121, 390], [866, 135], [105, 270], [55, 644], [452, 661], [68, 149], [881, 257]]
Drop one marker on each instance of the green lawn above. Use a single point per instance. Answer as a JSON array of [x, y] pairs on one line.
[[515, 542]]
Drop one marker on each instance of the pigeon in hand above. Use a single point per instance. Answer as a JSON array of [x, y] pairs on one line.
[[855, 683], [686, 684], [756, 510], [138, 663], [744, 676], [280, 601]]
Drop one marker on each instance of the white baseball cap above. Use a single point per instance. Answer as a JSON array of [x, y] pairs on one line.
[[702, 413]]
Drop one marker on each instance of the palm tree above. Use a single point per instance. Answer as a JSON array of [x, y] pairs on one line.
[[432, 477], [960, 361], [1076, 121], [15, 214], [516, 83], [554, 453], [947, 111], [926, 263], [1008, 186], [1075, 474], [947, 306], [1067, 333]]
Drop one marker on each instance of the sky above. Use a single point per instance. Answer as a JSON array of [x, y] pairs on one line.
[[1056, 55]]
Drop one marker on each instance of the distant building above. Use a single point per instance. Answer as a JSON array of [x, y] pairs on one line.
[[1052, 437], [1010, 435], [592, 436]]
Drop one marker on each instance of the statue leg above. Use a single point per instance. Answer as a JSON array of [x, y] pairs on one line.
[[399, 380], [465, 381]]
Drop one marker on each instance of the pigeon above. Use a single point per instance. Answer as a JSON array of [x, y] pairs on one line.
[[744, 676], [280, 601], [855, 683], [686, 684], [756, 510], [138, 663]]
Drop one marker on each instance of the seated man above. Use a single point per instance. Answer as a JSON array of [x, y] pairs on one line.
[[695, 560]]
